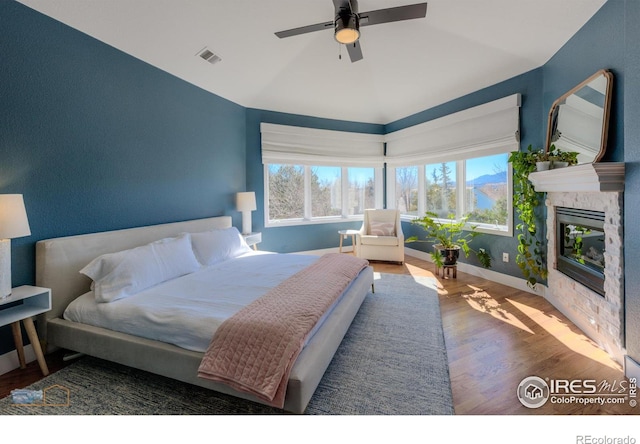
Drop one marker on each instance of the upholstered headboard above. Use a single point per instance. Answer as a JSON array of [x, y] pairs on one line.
[[59, 261]]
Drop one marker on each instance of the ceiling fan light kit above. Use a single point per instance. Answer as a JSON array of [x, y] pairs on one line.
[[348, 20], [347, 28]]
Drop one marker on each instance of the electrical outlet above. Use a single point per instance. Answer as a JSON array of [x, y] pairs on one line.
[[505, 257]]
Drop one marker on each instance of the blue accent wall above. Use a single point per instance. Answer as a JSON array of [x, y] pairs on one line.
[[598, 45], [631, 124], [98, 140]]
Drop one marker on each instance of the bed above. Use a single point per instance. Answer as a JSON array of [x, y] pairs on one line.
[[58, 265]]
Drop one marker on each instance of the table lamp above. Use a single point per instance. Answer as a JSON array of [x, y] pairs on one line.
[[13, 223], [246, 203]]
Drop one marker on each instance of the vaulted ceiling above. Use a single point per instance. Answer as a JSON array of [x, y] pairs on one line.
[[459, 47]]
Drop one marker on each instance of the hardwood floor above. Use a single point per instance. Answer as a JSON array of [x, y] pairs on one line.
[[495, 336]]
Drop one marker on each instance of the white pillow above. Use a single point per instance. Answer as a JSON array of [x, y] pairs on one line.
[[382, 228], [118, 275], [218, 245]]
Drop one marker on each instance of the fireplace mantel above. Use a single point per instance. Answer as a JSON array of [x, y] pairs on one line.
[[601, 176]]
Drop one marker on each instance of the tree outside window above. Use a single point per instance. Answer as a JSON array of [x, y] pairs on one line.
[[286, 192], [441, 188], [407, 190]]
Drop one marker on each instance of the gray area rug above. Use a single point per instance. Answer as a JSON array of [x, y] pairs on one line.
[[392, 361]]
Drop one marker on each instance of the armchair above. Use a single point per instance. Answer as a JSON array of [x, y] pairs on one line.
[[380, 237]]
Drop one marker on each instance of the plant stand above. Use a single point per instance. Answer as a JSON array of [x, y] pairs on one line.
[[447, 270]]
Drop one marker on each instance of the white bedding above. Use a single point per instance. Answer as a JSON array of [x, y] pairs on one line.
[[187, 310]]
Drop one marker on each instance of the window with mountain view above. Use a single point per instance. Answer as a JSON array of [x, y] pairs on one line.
[[487, 190], [478, 188]]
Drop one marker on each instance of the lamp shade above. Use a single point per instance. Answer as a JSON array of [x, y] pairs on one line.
[[246, 201], [13, 217]]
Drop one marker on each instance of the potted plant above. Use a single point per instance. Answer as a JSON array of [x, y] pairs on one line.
[[449, 237], [542, 160], [563, 159], [526, 200]]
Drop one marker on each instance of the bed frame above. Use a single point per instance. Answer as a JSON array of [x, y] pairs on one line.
[[58, 262]]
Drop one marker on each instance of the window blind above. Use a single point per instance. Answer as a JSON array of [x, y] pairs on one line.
[[484, 130], [293, 145]]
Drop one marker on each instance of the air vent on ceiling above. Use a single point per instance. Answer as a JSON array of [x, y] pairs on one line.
[[209, 56]]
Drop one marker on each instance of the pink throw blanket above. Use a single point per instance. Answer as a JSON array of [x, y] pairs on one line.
[[254, 350]]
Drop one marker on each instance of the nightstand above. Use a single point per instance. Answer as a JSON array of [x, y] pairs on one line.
[[30, 301], [253, 239]]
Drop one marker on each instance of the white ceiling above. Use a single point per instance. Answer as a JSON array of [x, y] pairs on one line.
[[460, 47]]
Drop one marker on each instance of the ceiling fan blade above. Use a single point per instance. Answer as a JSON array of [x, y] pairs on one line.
[[337, 4], [355, 51], [419, 10], [304, 29]]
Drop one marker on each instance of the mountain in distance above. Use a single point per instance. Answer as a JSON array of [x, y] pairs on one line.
[[500, 177]]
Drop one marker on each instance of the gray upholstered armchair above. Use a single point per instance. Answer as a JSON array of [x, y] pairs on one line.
[[381, 236]]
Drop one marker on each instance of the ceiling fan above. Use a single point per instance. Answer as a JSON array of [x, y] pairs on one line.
[[348, 20]]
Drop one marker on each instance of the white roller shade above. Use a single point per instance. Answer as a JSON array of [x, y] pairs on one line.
[[294, 145], [483, 130]]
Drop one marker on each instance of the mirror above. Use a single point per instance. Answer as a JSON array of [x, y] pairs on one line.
[[579, 120]]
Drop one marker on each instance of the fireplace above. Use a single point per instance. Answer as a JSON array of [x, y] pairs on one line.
[[580, 252], [585, 243]]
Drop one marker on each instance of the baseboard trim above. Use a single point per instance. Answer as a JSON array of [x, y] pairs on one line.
[[9, 361], [500, 278], [631, 368]]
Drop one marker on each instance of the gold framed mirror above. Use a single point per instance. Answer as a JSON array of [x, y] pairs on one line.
[[579, 119]]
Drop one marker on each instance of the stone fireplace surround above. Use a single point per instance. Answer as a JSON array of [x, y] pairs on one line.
[[597, 187]]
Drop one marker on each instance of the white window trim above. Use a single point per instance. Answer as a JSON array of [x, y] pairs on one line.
[[308, 219], [460, 207]]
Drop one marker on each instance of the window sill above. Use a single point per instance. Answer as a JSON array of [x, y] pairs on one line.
[[319, 221], [481, 228]]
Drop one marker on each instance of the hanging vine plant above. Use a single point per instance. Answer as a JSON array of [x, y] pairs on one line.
[[531, 252]]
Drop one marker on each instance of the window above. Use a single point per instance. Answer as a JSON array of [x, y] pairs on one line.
[[406, 196], [361, 190], [479, 188], [299, 194], [441, 190], [286, 192], [326, 191], [319, 176], [457, 165], [487, 190]]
